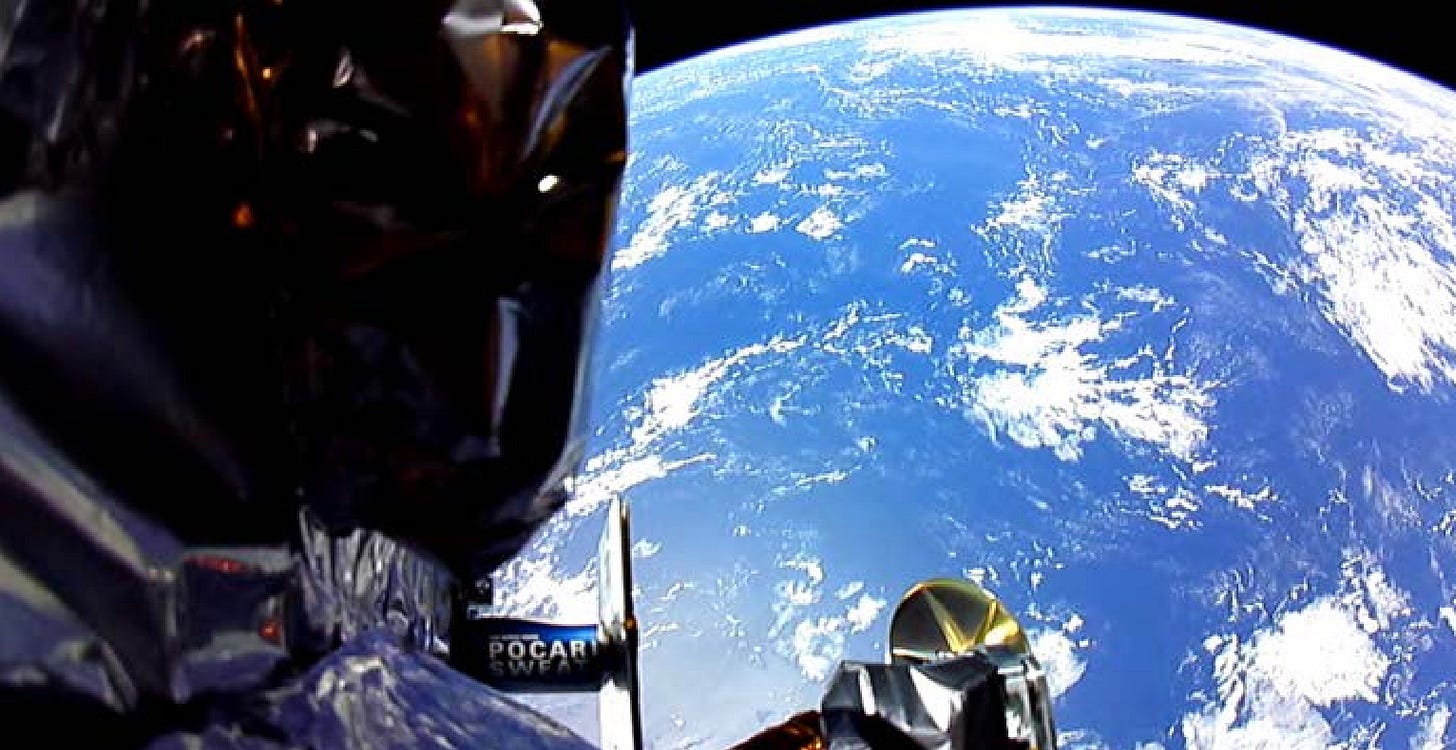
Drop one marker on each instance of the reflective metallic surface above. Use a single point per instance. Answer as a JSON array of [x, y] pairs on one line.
[[961, 676], [530, 656], [294, 298], [802, 731], [534, 656], [951, 616], [954, 704], [372, 693], [1026, 697], [620, 701]]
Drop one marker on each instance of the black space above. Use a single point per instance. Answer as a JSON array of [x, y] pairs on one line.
[[1410, 35]]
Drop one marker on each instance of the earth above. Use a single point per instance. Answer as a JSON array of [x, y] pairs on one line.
[[1147, 323]]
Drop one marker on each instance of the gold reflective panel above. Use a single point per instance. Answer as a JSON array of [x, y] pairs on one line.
[[802, 731], [943, 617]]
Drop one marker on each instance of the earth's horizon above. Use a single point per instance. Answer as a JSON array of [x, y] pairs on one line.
[[1148, 323]]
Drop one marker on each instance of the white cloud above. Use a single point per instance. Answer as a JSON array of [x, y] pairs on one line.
[[1369, 206], [764, 222], [1175, 509], [1385, 285], [1032, 208], [810, 638], [1270, 688], [534, 582], [1245, 499], [716, 220], [1321, 654], [1377, 232], [820, 224], [797, 593], [792, 594], [1058, 656], [604, 481], [1432, 732], [918, 259], [532, 586], [1369, 594], [818, 645], [644, 548], [1045, 391], [826, 477], [858, 172], [915, 339], [1174, 179], [673, 208], [672, 401], [811, 567], [864, 612], [773, 175], [1022, 111]]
